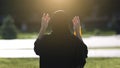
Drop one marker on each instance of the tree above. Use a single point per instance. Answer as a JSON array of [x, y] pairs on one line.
[[8, 29]]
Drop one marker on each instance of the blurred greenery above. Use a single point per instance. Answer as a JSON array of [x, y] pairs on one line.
[[27, 35], [97, 32], [8, 29], [34, 63], [31, 35], [19, 63]]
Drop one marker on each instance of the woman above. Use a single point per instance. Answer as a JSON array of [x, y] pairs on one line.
[[60, 49]]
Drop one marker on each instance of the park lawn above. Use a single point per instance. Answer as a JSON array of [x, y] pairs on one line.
[[19, 63], [115, 47], [33, 35], [27, 35], [103, 63], [34, 63], [85, 34]]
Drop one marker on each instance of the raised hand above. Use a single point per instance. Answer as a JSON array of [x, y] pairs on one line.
[[44, 24], [45, 21], [77, 26]]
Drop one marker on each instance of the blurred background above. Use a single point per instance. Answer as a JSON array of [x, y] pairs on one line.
[[95, 15], [20, 24]]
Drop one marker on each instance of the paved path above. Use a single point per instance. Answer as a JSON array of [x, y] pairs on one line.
[[103, 41], [23, 48]]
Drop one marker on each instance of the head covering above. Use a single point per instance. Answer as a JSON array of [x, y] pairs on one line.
[[60, 22]]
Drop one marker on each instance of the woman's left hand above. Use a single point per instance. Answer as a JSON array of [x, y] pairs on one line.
[[76, 24], [45, 21], [77, 27], [44, 24]]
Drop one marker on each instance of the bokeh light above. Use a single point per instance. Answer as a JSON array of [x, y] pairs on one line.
[[53, 5]]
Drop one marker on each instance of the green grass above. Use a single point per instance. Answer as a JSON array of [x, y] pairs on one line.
[[86, 34], [34, 63], [19, 63], [96, 32], [103, 63], [116, 47], [27, 35]]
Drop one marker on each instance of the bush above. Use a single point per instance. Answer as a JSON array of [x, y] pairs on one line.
[[8, 29], [97, 32]]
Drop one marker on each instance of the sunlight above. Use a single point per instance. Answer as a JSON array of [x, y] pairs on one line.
[[57, 4], [59, 1], [63, 3]]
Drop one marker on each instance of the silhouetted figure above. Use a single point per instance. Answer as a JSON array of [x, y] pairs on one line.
[[60, 49]]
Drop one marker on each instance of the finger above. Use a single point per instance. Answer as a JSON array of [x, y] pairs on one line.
[[43, 18], [78, 18], [79, 21], [73, 20], [76, 21], [43, 15], [47, 17]]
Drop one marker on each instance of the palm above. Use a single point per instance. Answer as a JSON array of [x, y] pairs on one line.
[[76, 24], [45, 21]]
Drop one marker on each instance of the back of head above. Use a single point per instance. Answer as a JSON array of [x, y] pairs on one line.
[[60, 22]]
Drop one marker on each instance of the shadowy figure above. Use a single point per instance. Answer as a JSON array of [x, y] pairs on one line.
[[60, 49]]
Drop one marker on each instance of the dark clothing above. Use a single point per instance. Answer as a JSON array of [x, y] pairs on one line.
[[61, 52]]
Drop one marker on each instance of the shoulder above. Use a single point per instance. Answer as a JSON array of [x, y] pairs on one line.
[[42, 39], [79, 43], [76, 39]]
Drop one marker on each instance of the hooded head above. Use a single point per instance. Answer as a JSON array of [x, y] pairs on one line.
[[60, 23]]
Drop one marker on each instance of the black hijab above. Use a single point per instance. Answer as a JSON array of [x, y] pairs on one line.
[[60, 23]]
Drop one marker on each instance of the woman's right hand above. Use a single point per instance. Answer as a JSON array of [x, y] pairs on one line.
[[45, 21], [44, 24]]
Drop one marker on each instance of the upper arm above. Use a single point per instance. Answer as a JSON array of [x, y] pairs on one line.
[[81, 52], [37, 46]]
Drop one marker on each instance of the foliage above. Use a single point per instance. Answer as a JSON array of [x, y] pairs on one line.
[[8, 29], [97, 32], [27, 35], [34, 63]]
